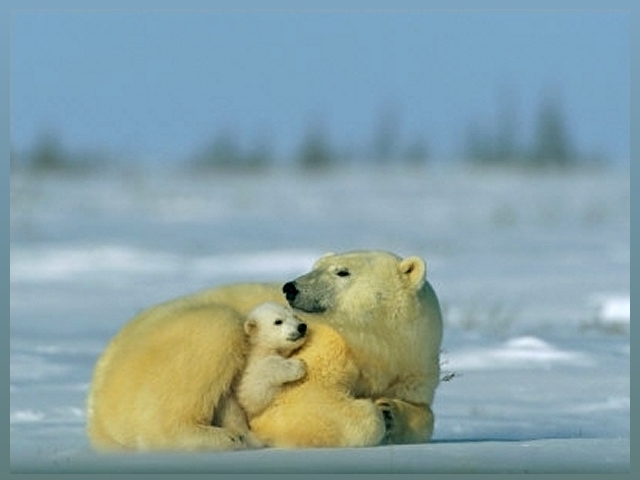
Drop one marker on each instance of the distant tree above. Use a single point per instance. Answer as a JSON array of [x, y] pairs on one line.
[[48, 154], [222, 152], [259, 156], [417, 153], [506, 149], [315, 152], [551, 141], [498, 145], [386, 134], [478, 144]]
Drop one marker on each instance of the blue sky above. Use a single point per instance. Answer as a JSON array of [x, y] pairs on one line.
[[160, 84]]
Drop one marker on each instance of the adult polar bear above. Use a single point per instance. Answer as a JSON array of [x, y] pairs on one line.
[[166, 380]]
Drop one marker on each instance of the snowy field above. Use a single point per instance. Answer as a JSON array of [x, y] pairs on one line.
[[532, 270]]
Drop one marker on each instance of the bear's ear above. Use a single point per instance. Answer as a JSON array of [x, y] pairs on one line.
[[250, 326], [415, 270]]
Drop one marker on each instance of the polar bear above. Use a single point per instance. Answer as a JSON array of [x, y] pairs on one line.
[[274, 333], [165, 381], [390, 317]]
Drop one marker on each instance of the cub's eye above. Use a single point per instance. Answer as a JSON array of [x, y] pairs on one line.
[[343, 272], [278, 322]]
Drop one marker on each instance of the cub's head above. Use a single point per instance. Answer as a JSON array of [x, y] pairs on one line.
[[353, 286], [275, 328]]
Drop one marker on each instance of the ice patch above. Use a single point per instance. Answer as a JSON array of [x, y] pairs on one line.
[[84, 347], [615, 309], [276, 263], [25, 367], [60, 263], [65, 414], [26, 416], [47, 264], [70, 413], [612, 313], [520, 352], [610, 404]]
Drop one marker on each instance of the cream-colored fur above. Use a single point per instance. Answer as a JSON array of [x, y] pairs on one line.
[[390, 317], [166, 379], [320, 410], [274, 333]]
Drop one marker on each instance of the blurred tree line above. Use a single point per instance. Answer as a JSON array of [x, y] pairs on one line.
[[551, 145], [48, 155], [483, 144]]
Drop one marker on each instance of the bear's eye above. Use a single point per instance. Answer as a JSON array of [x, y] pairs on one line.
[[278, 322], [343, 272]]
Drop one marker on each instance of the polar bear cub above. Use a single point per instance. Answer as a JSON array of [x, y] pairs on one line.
[[274, 333]]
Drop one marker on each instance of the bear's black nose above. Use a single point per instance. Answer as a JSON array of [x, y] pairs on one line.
[[290, 290], [302, 328]]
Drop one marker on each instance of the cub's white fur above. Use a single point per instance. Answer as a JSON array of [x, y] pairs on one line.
[[274, 333]]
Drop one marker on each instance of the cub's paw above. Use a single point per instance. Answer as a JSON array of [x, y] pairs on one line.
[[297, 369]]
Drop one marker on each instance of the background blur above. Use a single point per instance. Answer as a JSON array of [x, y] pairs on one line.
[[238, 90]]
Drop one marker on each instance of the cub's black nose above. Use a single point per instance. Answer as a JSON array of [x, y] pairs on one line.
[[302, 328], [290, 290]]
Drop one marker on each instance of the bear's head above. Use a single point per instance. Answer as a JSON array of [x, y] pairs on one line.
[[351, 286], [387, 312], [275, 328]]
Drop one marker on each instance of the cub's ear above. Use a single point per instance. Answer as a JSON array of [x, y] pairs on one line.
[[250, 326], [415, 270]]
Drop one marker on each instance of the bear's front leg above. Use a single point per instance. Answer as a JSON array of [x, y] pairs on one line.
[[406, 422]]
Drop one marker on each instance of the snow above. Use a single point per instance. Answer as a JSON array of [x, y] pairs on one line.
[[532, 270], [519, 352], [612, 312]]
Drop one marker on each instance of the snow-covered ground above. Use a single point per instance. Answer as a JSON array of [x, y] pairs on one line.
[[533, 272]]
